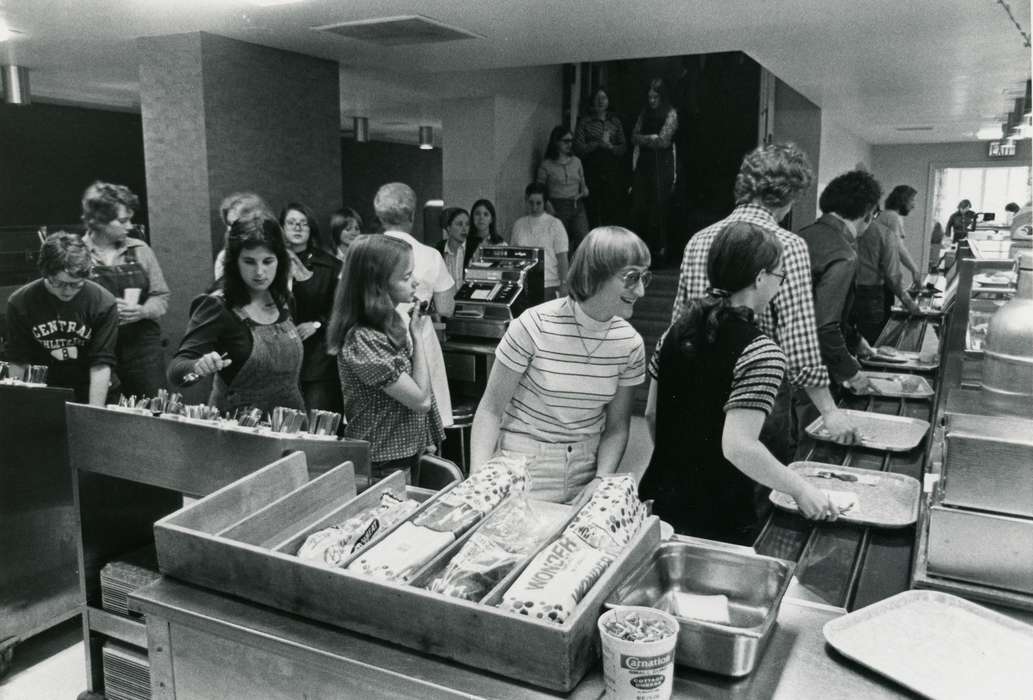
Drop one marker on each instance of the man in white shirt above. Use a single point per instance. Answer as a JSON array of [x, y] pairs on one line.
[[540, 229], [395, 206]]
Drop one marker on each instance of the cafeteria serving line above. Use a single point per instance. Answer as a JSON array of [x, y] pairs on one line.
[[695, 450]]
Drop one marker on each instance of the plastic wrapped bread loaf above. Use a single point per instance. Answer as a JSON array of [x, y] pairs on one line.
[[333, 545], [562, 574], [612, 517], [399, 555], [458, 509]]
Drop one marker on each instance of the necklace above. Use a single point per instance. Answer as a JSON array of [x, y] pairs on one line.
[[577, 325]]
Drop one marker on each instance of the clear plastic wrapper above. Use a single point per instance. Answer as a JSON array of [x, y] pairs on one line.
[[334, 545], [463, 506], [507, 537]]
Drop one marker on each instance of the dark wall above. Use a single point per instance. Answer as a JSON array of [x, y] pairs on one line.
[[49, 154], [367, 166], [717, 98]]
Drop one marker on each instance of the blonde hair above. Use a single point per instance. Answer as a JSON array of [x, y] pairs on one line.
[[602, 254]]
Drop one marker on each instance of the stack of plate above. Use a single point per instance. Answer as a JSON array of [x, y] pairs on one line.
[[127, 673], [120, 577]]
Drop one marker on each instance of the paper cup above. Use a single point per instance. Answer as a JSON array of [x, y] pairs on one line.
[[132, 294], [638, 670]]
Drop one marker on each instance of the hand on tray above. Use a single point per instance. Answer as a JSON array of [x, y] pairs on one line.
[[815, 504], [841, 429]]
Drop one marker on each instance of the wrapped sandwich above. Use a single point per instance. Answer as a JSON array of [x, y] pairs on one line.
[[556, 580], [335, 544], [507, 536]]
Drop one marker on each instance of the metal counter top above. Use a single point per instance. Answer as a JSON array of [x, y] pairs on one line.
[[204, 644]]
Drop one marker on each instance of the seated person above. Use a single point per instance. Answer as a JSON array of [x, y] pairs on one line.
[[539, 229], [65, 321]]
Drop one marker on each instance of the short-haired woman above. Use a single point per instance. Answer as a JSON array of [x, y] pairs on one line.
[[314, 273], [242, 333], [560, 391], [718, 376], [128, 269], [64, 321]]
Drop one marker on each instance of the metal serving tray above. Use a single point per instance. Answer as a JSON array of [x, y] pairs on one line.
[[891, 384], [753, 584], [939, 645], [879, 431], [902, 360], [971, 545], [988, 463], [883, 499]]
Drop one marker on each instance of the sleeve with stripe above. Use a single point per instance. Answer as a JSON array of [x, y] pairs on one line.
[[757, 376], [517, 346]]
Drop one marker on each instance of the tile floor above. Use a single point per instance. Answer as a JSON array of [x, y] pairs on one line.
[[51, 665]]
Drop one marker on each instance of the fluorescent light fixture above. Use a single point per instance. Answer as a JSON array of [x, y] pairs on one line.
[[16, 85], [989, 133], [435, 203], [360, 125], [427, 138]]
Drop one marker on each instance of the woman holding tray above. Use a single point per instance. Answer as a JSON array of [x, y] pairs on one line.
[[561, 389], [381, 360], [718, 376], [243, 333]]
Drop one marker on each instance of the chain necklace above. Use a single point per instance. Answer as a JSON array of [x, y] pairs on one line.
[[577, 325]]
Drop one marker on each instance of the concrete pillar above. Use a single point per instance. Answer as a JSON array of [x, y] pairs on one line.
[[221, 115]]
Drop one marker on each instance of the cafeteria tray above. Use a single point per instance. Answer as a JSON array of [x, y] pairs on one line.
[[890, 384], [879, 431], [883, 499], [901, 360], [939, 645]]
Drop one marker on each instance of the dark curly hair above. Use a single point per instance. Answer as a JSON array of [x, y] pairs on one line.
[[773, 175], [899, 196], [737, 255], [851, 195], [315, 236]]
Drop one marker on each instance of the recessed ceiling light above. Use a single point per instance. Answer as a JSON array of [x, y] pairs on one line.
[[990, 133]]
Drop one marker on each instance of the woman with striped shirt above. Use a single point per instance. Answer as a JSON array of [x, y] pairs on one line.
[[718, 376], [560, 391]]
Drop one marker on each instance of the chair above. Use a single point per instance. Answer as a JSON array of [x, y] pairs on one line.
[[436, 473]]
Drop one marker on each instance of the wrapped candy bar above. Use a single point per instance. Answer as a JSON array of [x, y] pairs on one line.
[[399, 555], [612, 517], [334, 545], [458, 510], [552, 584], [507, 536]]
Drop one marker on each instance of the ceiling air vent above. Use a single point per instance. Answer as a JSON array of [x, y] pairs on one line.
[[398, 31], [914, 128]]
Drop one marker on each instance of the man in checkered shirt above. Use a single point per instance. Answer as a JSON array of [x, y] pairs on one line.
[[769, 181]]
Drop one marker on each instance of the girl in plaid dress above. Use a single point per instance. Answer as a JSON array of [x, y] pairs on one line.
[[381, 360]]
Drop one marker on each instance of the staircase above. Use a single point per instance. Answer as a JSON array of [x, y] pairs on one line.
[[651, 318]]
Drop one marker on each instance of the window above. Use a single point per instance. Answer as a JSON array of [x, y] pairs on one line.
[[989, 190]]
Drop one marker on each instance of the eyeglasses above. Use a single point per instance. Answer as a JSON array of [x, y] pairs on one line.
[[61, 284], [295, 223], [780, 275], [631, 278]]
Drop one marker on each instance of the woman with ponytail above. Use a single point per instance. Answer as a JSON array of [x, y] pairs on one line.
[[718, 375]]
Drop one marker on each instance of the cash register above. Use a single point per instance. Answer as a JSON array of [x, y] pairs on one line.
[[499, 285]]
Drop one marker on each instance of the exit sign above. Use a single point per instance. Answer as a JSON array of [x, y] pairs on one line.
[[1001, 149]]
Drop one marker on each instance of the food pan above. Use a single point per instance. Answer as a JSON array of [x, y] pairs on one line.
[[938, 645], [908, 386], [883, 499], [879, 431], [894, 359], [753, 584], [979, 547]]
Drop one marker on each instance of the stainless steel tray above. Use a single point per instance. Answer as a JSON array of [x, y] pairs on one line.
[[879, 431], [979, 547], [939, 645], [891, 384], [753, 584], [883, 499], [902, 360], [988, 463]]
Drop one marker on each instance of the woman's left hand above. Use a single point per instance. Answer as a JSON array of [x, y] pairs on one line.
[[308, 329]]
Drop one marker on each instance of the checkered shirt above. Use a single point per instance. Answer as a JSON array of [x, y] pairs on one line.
[[788, 320]]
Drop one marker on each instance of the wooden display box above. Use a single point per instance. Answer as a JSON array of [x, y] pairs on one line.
[[237, 541]]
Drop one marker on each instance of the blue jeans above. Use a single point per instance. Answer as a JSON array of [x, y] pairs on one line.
[[558, 472]]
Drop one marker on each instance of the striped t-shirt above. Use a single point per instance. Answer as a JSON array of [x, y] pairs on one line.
[[567, 379], [757, 376]]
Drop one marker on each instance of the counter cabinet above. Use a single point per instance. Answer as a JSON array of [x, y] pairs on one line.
[[130, 470]]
